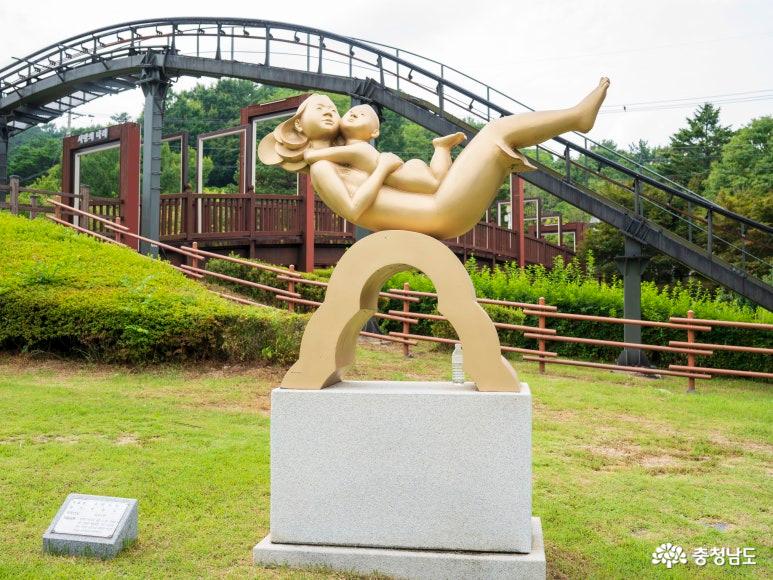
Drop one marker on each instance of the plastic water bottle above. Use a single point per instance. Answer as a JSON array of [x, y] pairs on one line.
[[457, 365]]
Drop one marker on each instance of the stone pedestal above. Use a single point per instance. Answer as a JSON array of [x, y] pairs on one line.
[[393, 476]]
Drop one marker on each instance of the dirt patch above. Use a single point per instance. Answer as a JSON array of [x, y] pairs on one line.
[[67, 439], [658, 462], [127, 440]]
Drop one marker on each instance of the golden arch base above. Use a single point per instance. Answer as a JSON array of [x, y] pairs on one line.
[[329, 342]]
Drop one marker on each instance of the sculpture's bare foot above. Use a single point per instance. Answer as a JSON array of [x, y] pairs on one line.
[[448, 141], [588, 108]]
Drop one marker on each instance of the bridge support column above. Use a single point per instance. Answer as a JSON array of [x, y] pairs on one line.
[[3, 157], [631, 265], [154, 85]]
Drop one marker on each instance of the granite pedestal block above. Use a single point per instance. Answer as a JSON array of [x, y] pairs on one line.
[[92, 525], [407, 465]]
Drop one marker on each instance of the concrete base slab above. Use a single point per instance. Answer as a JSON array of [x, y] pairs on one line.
[[410, 564]]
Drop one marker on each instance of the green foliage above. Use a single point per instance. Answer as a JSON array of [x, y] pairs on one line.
[[67, 293], [267, 278], [51, 180], [100, 172], [36, 153], [569, 288], [742, 181], [171, 174], [694, 148]]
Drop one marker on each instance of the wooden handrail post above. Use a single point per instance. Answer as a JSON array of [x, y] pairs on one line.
[[541, 342], [406, 325], [117, 232], [85, 194], [33, 205], [57, 208], [690, 357], [193, 261], [14, 183], [291, 288]]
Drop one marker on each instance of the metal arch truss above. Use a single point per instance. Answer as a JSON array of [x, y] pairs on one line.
[[46, 84]]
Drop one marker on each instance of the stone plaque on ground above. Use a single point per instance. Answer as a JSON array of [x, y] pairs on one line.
[[92, 525]]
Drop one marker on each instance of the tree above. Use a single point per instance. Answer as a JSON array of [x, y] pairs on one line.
[[34, 152], [742, 181], [692, 150], [120, 118]]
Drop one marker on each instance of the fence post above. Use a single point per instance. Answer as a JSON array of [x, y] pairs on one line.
[[690, 357], [541, 342], [14, 183], [194, 262], [85, 204], [33, 205], [406, 325], [291, 288], [58, 209], [117, 233]]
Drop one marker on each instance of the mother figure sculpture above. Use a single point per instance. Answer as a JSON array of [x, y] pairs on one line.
[[463, 194]]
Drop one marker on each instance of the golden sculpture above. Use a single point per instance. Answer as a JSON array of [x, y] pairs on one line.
[[380, 192], [393, 195]]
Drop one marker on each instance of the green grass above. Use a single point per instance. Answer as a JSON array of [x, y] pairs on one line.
[[70, 294], [621, 464]]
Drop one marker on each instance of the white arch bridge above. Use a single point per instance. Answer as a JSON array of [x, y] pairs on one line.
[[659, 214]]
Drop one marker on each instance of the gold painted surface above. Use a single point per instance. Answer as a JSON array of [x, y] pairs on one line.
[[408, 204], [328, 344], [379, 191]]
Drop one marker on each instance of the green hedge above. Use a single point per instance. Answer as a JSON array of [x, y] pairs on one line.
[[567, 287], [307, 291], [68, 293]]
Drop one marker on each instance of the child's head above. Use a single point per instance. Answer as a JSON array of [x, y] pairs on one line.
[[361, 123]]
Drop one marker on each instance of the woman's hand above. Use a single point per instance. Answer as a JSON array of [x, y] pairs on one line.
[[310, 156]]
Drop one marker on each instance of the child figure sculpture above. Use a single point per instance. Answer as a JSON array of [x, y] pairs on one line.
[[379, 192]]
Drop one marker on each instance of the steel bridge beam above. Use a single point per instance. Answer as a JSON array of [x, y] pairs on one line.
[[650, 234], [3, 156], [154, 85], [636, 227]]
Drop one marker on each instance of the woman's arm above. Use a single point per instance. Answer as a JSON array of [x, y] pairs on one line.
[[335, 193], [340, 154]]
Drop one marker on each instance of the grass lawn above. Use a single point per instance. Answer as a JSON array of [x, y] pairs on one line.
[[621, 465]]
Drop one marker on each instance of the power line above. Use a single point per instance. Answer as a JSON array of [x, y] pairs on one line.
[[690, 98]]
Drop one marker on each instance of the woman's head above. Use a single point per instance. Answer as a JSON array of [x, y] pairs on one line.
[[316, 119]]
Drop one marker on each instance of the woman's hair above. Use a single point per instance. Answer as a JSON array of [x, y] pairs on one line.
[[285, 145]]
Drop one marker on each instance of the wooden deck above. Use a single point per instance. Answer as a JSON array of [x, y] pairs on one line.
[[262, 222]]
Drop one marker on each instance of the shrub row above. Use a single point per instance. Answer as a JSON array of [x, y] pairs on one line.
[[568, 287], [68, 293]]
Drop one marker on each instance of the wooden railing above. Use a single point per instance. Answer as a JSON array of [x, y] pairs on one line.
[[195, 216], [330, 224], [541, 313]]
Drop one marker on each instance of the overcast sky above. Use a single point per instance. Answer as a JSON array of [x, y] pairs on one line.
[[663, 57]]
